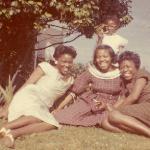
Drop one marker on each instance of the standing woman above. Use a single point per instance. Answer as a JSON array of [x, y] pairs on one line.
[[133, 111], [29, 110], [110, 37], [89, 106]]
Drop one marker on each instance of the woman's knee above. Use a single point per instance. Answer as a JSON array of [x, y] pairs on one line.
[[104, 124], [114, 116]]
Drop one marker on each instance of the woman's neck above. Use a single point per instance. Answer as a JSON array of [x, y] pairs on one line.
[[111, 68]]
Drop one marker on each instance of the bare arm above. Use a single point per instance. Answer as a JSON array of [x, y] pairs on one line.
[[119, 102], [34, 77], [67, 99], [133, 97]]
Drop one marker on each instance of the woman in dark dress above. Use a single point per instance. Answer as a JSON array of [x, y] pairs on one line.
[[88, 108], [132, 113]]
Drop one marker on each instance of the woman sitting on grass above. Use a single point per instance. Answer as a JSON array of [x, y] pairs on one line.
[[89, 106], [29, 110], [132, 113]]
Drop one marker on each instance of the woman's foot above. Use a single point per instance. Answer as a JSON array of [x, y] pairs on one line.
[[4, 132], [6, 137], [8, 141]]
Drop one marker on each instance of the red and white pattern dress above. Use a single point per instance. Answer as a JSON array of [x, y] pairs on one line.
[[105, 87], [141, 109]]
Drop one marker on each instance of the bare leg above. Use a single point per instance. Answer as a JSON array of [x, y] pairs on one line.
[[29, 129], [131, 123], [107, 126], [32, 128], [22, 121], [115, 127]]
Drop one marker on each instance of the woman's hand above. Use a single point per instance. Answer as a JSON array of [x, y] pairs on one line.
[[54, 111], [109, 107], [100, 105]]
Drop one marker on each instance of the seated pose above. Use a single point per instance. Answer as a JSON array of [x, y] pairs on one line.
[[29, 110], [132, 113], [88, 108]]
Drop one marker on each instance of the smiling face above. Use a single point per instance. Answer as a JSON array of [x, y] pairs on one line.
[[103, 60], [111, 26], [128, 69], [64, 64]]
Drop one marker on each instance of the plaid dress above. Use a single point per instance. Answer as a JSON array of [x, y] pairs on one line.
[[141, 109], [83, 111]]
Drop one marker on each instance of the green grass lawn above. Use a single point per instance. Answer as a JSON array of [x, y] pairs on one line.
[[80, 138]]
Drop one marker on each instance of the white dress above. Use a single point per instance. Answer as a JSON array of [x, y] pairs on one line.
[[115, 41], [36, 99]]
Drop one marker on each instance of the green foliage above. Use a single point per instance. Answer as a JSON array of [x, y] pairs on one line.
[[6, 93], [21, 20], [80, 15], [77, 69]]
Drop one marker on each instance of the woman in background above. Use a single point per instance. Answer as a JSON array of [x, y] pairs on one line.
[[108, 35]]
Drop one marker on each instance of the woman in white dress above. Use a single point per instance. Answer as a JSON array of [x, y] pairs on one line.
[[29, 110]]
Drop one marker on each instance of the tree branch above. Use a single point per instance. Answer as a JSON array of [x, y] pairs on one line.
[[54, 35], [58, 43], [57, 26]]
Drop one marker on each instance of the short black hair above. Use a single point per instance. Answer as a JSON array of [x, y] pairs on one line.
[[131, 56], [62, 49], [113, 18], [109, 49]]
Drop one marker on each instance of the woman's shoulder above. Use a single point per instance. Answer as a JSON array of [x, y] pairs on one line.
[[47, 67], [84, 75], [143, 73]]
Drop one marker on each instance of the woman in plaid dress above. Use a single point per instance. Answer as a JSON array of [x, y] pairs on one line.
[[89, 106], [133, 110]]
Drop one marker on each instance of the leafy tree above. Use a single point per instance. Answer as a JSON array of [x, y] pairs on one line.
[[77, 69], [21, 21]]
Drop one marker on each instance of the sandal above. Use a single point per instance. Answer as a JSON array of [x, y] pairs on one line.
[[10, 136], [4, 132]]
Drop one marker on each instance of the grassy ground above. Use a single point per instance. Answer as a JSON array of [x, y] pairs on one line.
[[79, 138]]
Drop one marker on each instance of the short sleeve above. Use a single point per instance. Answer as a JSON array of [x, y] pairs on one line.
[[115, 41], [142, 73], [81, 83], [47, 68]]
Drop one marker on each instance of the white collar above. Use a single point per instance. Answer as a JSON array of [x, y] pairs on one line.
[[108, 75]]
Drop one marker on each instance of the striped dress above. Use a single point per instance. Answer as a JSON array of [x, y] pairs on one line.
[[141, 109], [83, 111]]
